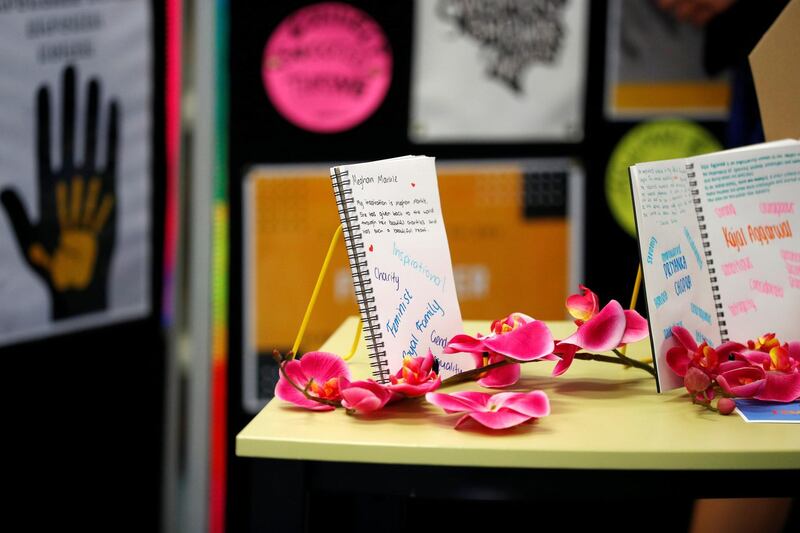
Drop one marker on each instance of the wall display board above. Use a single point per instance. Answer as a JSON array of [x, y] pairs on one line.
[[654, 66], [498, 71], [489, 207], [83, 186], [76, 132]]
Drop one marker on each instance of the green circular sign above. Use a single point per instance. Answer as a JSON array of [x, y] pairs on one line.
[[651, 141]]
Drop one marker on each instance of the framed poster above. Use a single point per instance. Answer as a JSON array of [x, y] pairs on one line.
[[654, 66], [76, 131], [510, 71]]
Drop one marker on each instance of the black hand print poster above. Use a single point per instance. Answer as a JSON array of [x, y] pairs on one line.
[[75, 164], [498, 70]]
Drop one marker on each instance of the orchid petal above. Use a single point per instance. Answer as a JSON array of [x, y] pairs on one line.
[[459, 402], [794, 350], [534, 403], [727, 348], [526, 343], [780, 387], [727, 366], [322, 366], [567, 352], [503, 376], [464, 343], [416, 390], [363, 396], [755, 357], [635, 327], [678, 360], [744, 382], [605, 330], [684, 338], [583, 306], [427, 363], [288, 393], [500, 419]]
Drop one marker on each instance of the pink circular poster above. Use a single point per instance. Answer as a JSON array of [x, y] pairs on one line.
[[327, 67]]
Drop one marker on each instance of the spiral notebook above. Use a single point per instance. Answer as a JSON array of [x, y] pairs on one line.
[[400, 261], [720, 248]]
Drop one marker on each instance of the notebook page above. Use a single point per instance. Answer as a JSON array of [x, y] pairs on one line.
[[407, 259], [751, 199], [677, 285]]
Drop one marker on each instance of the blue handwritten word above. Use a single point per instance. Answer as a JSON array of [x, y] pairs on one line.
[[391, 277], [393, 326], [437, 340], [668, 331], [673, 261], [450, 366], [408, 261], [704, 316], [693, 246], [651, 247], [699, 337], [669, 254], [431, 310], [660, 299], [683, 284], [412, 346]]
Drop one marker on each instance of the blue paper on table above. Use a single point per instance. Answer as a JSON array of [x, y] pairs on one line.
[[758, 411]]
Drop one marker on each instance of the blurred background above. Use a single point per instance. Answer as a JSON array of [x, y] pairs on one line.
[[166, 202]]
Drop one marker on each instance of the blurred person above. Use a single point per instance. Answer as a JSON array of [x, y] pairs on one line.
[[732, 29]]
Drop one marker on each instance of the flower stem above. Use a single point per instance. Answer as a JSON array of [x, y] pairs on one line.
[[469, 374], [585, 356], [633, 362]]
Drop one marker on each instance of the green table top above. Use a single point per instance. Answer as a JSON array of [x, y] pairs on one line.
[[603, 416]]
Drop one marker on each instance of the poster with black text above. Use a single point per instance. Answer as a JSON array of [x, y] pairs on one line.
[[75, 165], [498, 71]]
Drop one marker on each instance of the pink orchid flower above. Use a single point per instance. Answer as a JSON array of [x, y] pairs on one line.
[[316, 372], [773, 376], [496, 411], [517, 337], [364, 396], [688, 354], [584, 306], [415, 378], [598, 331], [611, 328]]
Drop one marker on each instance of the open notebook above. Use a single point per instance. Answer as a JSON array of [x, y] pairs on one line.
[[720, 248]]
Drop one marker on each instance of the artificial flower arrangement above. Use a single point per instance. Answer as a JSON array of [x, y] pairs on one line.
[[762, 369]]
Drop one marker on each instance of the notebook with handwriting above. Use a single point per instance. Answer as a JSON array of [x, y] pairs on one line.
[[400, 261], [718, 238]]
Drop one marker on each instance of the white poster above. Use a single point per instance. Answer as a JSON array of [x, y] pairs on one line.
[[498, 70], [654, 66], [75, 164]]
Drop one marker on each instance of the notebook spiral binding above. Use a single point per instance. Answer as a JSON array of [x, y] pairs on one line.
[[362, 281], [712, 271]]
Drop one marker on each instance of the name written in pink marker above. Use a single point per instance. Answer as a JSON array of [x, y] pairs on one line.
[[743, 306], [726, 210], [734, 267]]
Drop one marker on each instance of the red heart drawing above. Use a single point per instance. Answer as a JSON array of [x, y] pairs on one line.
[[370, 247], [413, 184]]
